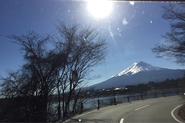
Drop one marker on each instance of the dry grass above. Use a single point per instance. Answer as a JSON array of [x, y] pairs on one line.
[[181, 112]]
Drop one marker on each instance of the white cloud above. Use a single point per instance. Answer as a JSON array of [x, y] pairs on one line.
[[125, 22]]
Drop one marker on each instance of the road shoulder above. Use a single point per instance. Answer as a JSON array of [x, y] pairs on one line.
[[176, 115], [181, 112]]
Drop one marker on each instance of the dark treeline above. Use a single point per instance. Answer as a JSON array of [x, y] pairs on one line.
[[154, 86], [143, 88]]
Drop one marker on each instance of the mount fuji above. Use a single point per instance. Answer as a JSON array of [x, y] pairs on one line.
[[140, 72]]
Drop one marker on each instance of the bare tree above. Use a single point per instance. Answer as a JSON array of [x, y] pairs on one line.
[[60, 70], [36, 78], [174, 48], [85, 50]]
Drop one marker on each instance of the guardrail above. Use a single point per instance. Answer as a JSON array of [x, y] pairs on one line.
[[99, 102]]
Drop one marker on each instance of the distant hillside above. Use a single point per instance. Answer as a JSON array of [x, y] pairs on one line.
[[140, 72]]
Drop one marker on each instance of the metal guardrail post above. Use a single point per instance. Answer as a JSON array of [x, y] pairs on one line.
[[98, 105], [128, 99], [115, 103], [155, 95], [82, 107], [163, 94]]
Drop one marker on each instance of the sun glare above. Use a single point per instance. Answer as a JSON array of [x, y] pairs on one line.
[[99, 8]]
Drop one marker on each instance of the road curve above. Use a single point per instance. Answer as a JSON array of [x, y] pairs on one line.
[[143, 111]]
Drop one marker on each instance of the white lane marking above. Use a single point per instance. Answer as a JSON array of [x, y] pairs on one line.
[[172, 113], [121, 121], [141, 107]]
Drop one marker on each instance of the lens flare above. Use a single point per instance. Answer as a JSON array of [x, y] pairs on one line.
[[99, 8]]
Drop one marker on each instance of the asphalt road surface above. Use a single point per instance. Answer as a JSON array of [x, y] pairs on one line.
[[158, 110]]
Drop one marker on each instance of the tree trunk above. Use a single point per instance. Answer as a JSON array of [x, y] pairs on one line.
[[59, 105]]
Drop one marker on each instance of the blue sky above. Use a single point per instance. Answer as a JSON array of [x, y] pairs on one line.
[[131, 30]]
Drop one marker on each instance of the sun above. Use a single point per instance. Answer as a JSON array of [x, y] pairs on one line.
[[99, 8]]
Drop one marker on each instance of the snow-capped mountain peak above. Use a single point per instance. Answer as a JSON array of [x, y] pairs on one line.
[[136, 68], [140, 72]]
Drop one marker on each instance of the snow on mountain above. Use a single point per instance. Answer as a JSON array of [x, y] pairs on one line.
[[136, 68], [140, 72]]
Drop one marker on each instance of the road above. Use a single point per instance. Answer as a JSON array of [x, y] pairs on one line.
[[142, 111]]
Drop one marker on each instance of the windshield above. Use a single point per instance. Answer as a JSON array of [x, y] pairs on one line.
[[63, 58]]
